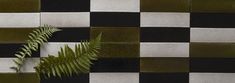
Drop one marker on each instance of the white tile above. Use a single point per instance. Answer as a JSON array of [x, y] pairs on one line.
[[212, 35], [160, 19], [6, 63], [115, 5], [164, 49], [19, 19], [212, 78], [114, 77], [66, 19]]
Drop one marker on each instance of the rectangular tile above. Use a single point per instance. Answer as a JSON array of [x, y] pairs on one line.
[[213, 6], [212, 65], [212, 35], [19, 19], [29, 65], [165, 5], [164, 65], [20, 6], [215, 20], [66, 19], [65, 6], [219, 50], [8, 50], [14, 35], [116, 65], [19, 78], [153, 19], [164, 49], [155, 34], [114, 19], [164, 78], [81, 78], [115, 77], [115, 6], [212, 78], [115, 34]]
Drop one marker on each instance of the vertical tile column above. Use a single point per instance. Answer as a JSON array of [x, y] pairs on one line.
[[212, 41], [164, 36]]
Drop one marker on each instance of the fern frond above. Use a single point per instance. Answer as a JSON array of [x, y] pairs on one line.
[[70, 61], [35, 39]]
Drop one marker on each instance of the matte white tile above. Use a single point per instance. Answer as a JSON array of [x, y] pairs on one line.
[[212, 78], [164, 49], [115, 5], [160, 19], [66, 19], [114, 77], [19, 20], [212, 35], [6, 63]]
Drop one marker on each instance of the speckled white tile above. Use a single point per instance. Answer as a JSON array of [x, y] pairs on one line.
[[212, 78], [6, 63], [66, 19], [164, 49], [114, 77], [19, 20], [161, 19], [212, 35], [115, 5]]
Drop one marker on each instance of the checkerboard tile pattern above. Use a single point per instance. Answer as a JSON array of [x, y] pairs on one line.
[[144, 41]]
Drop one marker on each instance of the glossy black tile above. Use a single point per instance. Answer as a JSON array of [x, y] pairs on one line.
[[155, 34], [111, 19], [81, 78], [65, 5], [212, 65], [212, 20], [164, 78], [116, 65]]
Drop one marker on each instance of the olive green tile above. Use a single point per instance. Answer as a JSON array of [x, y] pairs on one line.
[[19, 5], [19, 78], [14, 35], [164, 5], [164, 64], [116, 34], [223, 50], [109, 50], [213, 6]]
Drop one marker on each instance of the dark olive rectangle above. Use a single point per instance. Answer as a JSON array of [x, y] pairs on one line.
[[165, 5], [157, 34], [65, 5], [81, 78], [14, 35], [19, 78], [213, 6], [162, 64], [213, 20], [164, 78], [116, 65], [71, 35], [8, 50], [212, 65], [19, 6], [115, 19], [213, 50]]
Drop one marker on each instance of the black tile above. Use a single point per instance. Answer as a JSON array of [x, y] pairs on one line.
[[214, 20], [71, 35], [115, 19], [81, 78], [8, 50], [157, 34], [65, 5], [212, 65], [164, 78], [116, 65]]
